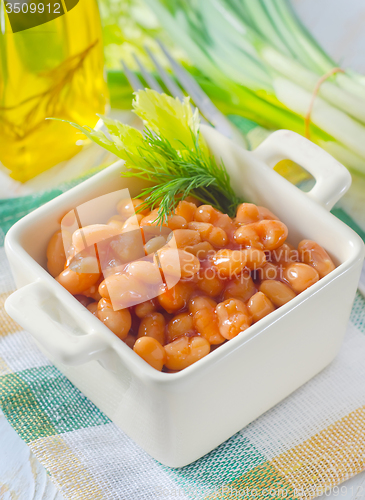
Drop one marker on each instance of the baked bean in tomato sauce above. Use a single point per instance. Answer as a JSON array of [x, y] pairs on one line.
[[233, 273]]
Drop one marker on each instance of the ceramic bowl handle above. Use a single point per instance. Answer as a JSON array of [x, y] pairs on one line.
[[63, 338], [332, 178]]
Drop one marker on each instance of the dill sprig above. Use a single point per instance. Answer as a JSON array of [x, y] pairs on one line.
[[170, 154], [175, 174]]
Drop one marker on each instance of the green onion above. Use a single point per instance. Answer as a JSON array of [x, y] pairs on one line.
[[261, 55]]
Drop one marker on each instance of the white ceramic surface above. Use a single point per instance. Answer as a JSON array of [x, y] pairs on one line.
[[241, 379]]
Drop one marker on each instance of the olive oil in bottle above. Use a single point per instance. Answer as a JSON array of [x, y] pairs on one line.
[[51, 65]]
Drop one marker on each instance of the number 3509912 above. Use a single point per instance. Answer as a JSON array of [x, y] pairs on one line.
[[33, 8]]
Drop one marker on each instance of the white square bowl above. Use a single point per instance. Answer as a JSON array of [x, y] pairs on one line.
[[179, 417]]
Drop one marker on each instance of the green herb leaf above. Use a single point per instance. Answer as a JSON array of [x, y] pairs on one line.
[[176, 175], [171, 154], [170, 118]]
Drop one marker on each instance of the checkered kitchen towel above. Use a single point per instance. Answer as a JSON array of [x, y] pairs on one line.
[[311, 441]]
